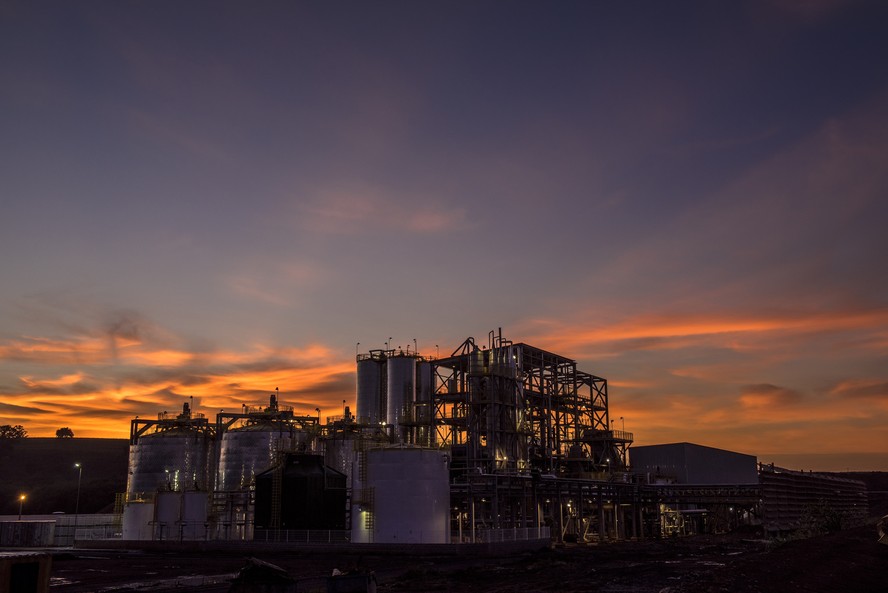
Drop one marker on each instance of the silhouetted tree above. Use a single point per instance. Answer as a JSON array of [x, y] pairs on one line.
[[65, 433], [13, 433]]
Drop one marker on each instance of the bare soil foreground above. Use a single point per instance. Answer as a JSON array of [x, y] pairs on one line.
[[849, 561]]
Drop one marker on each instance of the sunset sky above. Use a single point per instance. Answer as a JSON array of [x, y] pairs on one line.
[[215, 199]]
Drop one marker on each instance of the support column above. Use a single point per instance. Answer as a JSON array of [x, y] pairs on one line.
[[601, 532]]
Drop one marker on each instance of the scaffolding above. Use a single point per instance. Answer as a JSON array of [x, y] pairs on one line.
[[513, 408]]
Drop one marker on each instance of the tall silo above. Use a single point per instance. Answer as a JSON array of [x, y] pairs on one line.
[[400, 391], [170, 453], [371, 387]]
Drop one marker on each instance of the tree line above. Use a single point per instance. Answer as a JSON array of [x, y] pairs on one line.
[[12, 433]]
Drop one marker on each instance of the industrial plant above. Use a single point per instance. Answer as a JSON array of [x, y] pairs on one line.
[[498, 441]]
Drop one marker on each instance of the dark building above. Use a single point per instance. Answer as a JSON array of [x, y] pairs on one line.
[[301, 493], [688, 463]]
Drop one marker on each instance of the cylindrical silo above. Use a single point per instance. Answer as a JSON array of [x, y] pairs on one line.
[[174, 458], [251, 449], [400, 390], [340, 451], [411, 496], [370, 390]]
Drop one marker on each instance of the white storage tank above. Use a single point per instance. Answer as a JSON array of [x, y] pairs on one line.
[[138, 521], [411, 496], [166, 515], [193, 523]]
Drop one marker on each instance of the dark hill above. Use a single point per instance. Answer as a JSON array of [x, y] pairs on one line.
[[43, 469]]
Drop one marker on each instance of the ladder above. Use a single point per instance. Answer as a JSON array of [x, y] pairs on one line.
[[368, 509], [276, 487]]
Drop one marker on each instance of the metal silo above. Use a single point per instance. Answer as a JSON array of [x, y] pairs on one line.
[[400, 391], [371, 388], [340, 451], [171, 453], [251, 449], [253, 440]]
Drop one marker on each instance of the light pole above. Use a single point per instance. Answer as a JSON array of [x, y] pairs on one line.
[[623, 420], [79, 468], [21, 502]]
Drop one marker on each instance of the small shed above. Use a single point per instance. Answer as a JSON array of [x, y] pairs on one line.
[[25, 572]]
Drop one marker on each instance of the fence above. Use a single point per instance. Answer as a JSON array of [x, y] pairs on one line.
[[98, 532], [302, 536], [515, 534]]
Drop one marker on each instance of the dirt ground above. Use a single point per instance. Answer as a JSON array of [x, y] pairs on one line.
[[849, 561]]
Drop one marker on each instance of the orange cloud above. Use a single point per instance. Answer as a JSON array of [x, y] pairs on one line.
[[36, 349], [97, 384], [863, 389], [768, 397], [671, 331]]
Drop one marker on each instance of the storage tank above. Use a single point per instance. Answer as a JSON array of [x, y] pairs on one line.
[[179, 516], [411, 496], [258, 437], [253, 448], [371, 400], [400, 391], [340, 451], [166, 515], [193, 516], [138, 519], [177, 455]]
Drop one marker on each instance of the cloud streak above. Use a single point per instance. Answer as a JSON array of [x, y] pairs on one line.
[[368, 210], [96, 385]]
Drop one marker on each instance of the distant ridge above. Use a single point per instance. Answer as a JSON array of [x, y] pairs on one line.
[[43, 469], [828, 462]]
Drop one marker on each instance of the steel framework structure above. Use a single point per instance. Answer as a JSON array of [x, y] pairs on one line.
[[513, 408]]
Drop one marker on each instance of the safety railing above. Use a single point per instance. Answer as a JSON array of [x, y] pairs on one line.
[[302, 536], [514, 534]]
